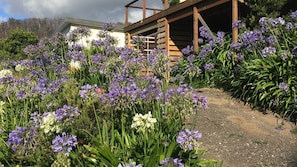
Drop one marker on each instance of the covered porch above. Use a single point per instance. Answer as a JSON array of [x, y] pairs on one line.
[[175, 27]]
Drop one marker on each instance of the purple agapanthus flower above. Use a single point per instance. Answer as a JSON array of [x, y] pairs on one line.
[[22, 139], [171, 162], [189, 139], [294, 14], [208, 66], [191, 58], [283, 86], [236, 46], [268, 51], [204, 51], [204, 33], [238, 24], [108, 26], [67, 113], [240, 57], [187, 50], [15, 139], [131, 164], [64, 144], [289, 26]]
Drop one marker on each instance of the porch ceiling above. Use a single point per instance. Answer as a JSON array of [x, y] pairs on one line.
[[175, 13]]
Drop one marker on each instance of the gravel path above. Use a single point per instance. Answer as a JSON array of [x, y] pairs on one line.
[[242, 137]]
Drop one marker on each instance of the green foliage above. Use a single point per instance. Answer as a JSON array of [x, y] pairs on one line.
[[15, 43], [263, 8]]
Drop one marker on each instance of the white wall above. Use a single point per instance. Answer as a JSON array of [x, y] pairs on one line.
[[120, 36]]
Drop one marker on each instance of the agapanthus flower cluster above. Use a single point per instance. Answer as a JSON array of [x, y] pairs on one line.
[[15, 139], [23, 139], [88, 91], [19, 68], [131, 164], [66, 114], [187, 50], [185, 99], [143, 123], [49, 123], [121, 97], [283, 86], [220, 38], [64, 144], [208, 66], [267, 51], [251, 39], [267, 23], [240, 57], [189, 139], [150, 89], [294, 14], [159, 62], [236, 46], [204, 51], [75, 65], [22, 88], [78, 33], [5, 72], [46, 86], [171, 162], [191, 58], [238, 24], [205, 34], [108, 26]]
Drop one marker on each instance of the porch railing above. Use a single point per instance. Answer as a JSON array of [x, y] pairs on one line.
[[143, 7]]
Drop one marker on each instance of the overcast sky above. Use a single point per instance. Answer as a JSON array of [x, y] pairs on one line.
[[99, 10]]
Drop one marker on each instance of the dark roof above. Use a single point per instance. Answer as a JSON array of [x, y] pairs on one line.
[[86, 23]]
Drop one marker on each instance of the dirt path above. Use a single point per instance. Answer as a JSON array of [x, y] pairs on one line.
[[242, 137]]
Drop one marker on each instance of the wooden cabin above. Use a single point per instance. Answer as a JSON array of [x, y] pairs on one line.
[[174, 27]]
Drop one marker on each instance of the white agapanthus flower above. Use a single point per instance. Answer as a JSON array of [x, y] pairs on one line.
[[143, 122], [75, 65], [48, 123], [19, 68], [5, 72]]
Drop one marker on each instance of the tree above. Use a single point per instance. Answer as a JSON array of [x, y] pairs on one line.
[[15, 43], [263, 8], [172, 2]]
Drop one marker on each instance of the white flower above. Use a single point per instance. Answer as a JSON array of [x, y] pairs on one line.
[[143, 122], [19, 68], [75, 65], [4, 73], [48, 123]]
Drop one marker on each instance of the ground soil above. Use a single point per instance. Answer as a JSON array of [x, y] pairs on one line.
[[242, 137]]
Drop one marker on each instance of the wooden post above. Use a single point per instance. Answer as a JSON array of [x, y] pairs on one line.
[[234, 19], [128, 40], [126, 19], [166, 4], [143, 9], [167, 37], [195, 28]]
